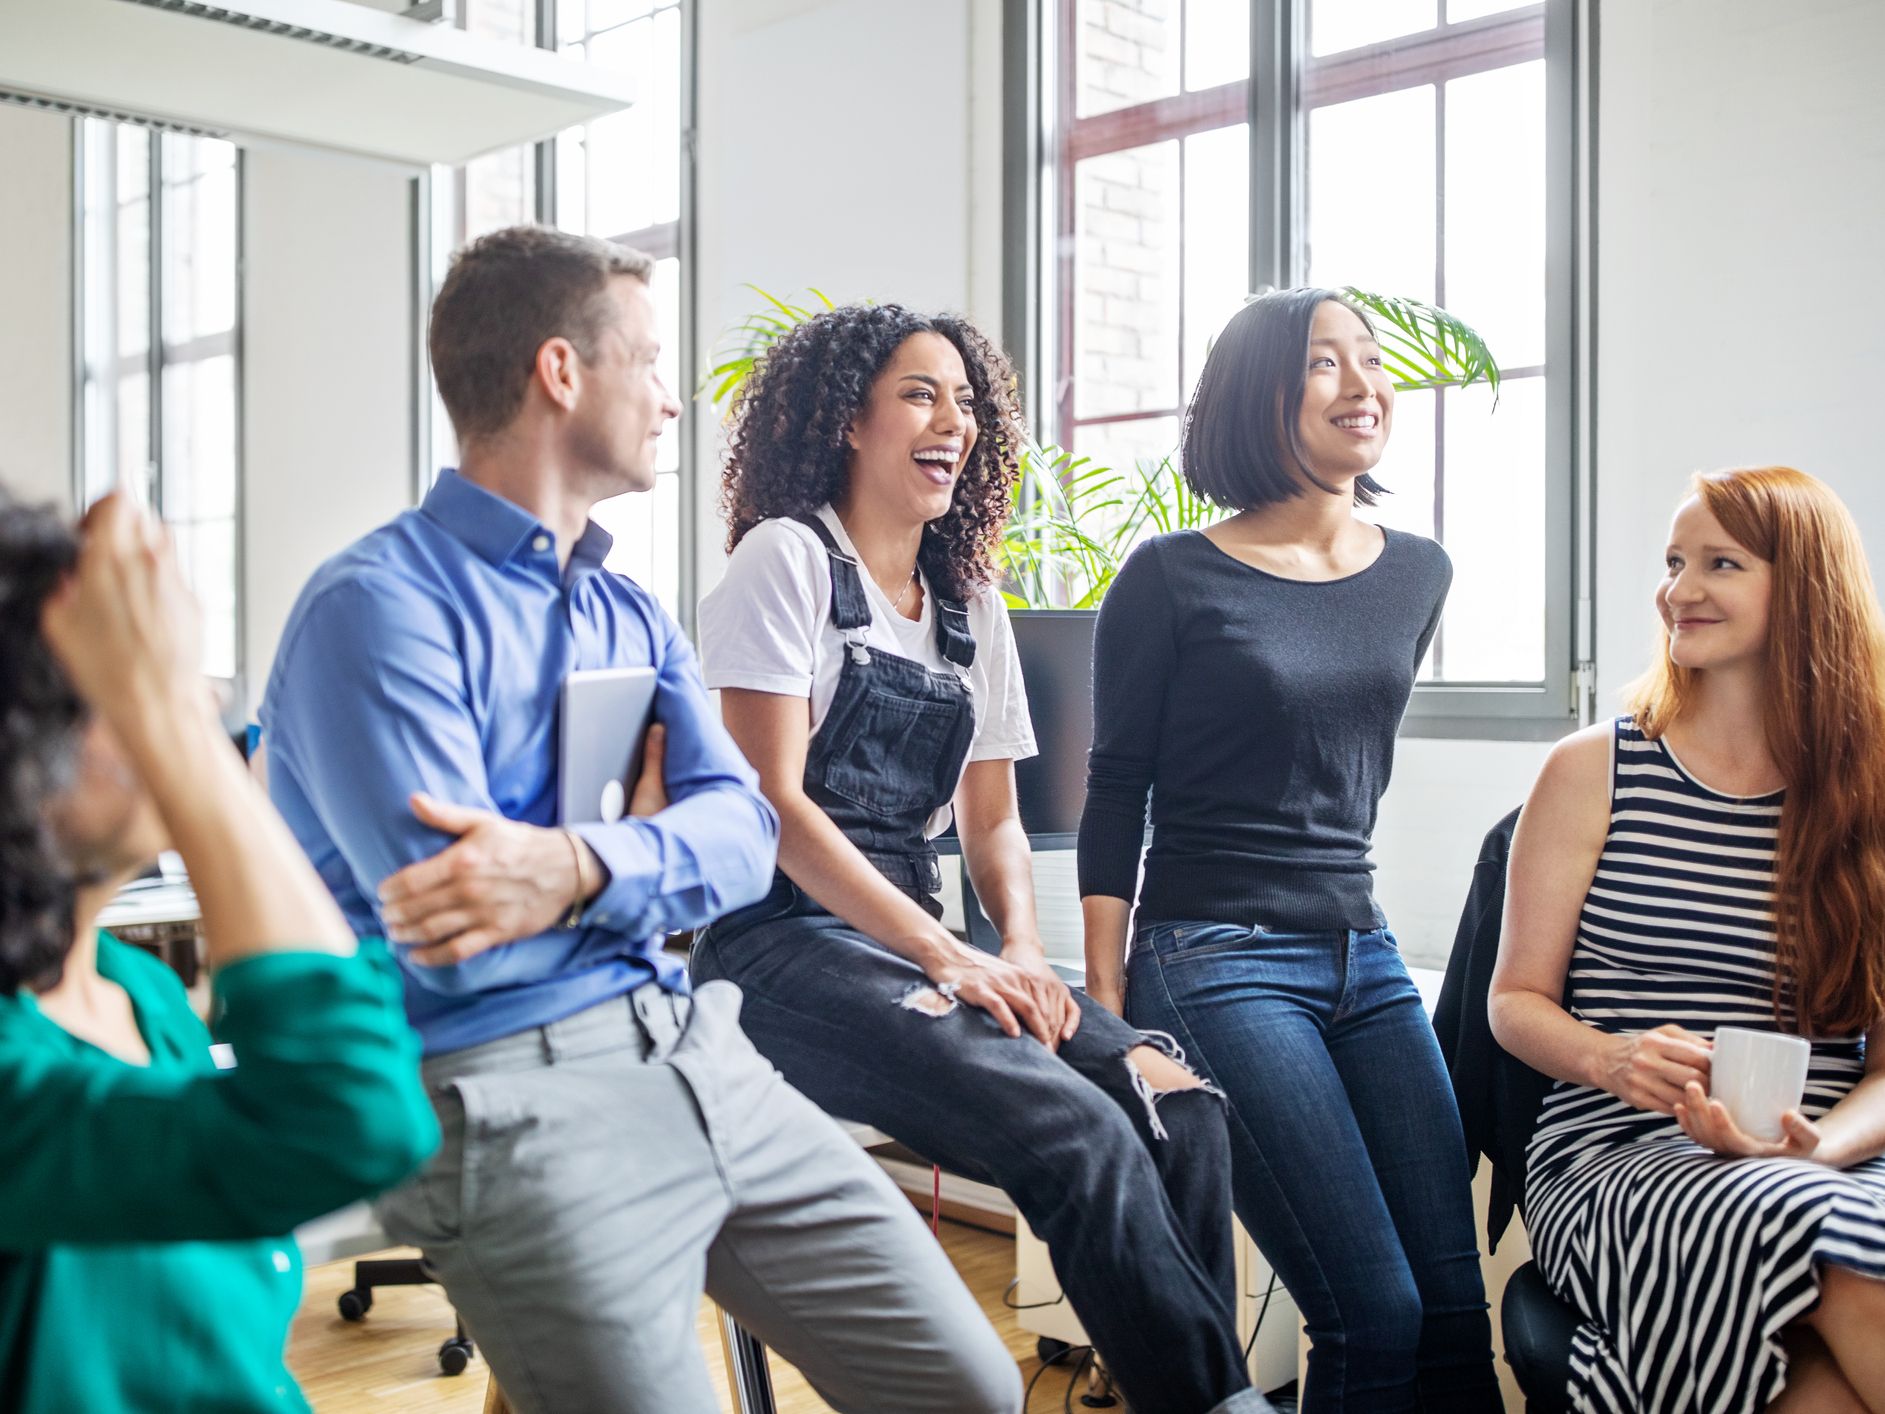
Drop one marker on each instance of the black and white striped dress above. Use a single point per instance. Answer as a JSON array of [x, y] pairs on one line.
[[1685, 1264]]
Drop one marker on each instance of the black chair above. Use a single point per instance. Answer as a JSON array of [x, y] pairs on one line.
[[1499, 1097], [455, 1354]]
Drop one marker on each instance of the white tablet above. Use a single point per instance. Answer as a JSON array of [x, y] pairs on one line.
[[602, 721]]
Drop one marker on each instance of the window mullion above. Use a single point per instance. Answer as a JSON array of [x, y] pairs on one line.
[[154, 340], [1275, 144], [1440, 394]]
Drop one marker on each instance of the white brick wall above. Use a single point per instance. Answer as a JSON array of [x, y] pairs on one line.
[[1126, 221]]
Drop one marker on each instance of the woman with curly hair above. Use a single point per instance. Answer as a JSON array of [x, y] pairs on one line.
[[868, 671], [146, 1196]]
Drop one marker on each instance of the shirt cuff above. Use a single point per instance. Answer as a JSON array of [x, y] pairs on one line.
[[624, 851]]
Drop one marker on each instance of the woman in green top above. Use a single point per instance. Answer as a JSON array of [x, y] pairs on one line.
[[145, 1193]]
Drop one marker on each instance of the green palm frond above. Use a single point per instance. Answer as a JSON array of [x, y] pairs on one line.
[[1423, 346], [742, 346]]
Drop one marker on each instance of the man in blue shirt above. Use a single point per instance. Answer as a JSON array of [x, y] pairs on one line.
[[611, 1144]]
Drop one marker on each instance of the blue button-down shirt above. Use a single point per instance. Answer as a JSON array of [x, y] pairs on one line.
[[428, 656]]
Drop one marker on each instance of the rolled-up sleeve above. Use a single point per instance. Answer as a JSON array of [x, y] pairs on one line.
[[324, 1106]]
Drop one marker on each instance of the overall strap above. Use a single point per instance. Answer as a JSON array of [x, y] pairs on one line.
[[850, 606], [953, 639]]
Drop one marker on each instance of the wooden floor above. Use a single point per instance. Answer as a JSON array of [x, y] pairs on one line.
[[388, 1361]]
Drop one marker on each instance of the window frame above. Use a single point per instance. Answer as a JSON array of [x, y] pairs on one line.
[[1044, 141], [160, 354], [436, 221]]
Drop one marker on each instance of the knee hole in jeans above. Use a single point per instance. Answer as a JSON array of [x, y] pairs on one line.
[[1156, 1075]]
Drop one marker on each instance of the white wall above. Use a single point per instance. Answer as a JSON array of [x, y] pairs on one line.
[[851, 146], [327, 361], [36, 305], [1741, 319]]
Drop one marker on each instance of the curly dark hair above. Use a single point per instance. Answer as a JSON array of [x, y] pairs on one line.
[[40, 720], [786, 450]]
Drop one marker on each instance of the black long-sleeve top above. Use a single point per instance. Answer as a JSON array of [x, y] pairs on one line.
[[1260, 714]]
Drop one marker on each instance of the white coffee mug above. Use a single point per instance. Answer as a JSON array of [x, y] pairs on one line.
[[1759, 1076]]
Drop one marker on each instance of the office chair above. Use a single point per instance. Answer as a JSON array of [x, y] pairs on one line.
[[1498, 1097], [456, 1352]]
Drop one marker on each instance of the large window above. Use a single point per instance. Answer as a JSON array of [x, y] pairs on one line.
[[1411, 147], [622, 177], [158, 302]]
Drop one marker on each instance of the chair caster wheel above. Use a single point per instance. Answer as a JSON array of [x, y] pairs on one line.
[[1050, 1349], [454, 1356], [355, 1304]]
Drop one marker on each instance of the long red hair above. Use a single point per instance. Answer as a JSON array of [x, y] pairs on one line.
[[1825, 680]]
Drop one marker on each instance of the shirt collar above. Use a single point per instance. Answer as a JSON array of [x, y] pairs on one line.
[[497, 529]]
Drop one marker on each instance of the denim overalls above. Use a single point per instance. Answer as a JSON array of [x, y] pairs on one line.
[[1131, 1197], [891, 748]]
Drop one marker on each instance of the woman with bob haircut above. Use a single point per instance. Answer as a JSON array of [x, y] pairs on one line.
[[867, 669], [147, 1194], [1250, 678], [1715, 857]]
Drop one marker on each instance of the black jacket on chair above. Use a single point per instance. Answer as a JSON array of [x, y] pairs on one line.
[[1499, 1096]]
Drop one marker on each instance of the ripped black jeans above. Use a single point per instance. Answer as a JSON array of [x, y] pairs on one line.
[[1129, 1189]]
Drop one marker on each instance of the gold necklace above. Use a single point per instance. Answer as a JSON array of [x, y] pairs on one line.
[[898, 605]]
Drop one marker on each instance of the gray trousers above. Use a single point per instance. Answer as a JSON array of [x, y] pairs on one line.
[[597, 1174]]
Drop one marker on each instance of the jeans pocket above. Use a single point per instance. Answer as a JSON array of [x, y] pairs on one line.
[[1187, 941]]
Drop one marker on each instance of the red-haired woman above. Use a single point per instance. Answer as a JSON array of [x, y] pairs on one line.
[[1716, 858]]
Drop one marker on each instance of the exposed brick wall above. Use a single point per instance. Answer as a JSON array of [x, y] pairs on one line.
[[1127, 220]]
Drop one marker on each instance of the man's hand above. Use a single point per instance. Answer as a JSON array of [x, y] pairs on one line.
[[650, 796], [499, 881]]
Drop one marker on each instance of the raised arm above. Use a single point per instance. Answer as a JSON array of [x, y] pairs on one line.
[[1555, 850], [324, 1105], [1134, 652]]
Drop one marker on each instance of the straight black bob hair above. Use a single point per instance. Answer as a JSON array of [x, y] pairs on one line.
[[1241, 449]]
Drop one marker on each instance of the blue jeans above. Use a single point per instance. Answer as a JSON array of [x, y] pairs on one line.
[[1129, 1191], [1348, 1164]]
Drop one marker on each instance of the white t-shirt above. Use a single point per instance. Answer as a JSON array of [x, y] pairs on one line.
[[767, 626]]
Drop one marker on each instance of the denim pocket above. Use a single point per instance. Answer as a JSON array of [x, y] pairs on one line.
[[1179, 942], [886, 756]]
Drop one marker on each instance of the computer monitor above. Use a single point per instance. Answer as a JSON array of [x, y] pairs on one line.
[[1056, 650]]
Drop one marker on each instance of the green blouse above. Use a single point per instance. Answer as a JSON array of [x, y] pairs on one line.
[[144, 1210]]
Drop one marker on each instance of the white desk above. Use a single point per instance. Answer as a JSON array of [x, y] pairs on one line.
[[158, 913]]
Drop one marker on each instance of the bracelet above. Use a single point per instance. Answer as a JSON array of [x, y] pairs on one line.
[[579, 902]]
